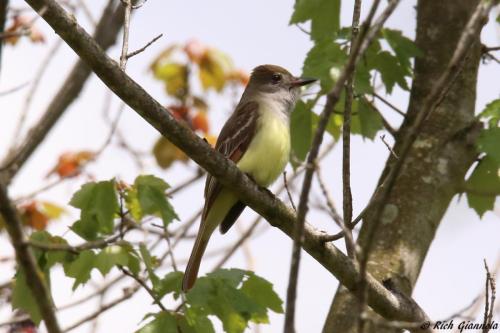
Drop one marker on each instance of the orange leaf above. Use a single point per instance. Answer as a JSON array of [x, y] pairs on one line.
[[23, 26], [33, 217], [180, 112], [200, 122], [70, 163], [195, 50], [239, 75]]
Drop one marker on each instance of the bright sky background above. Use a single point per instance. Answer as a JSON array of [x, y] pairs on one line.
[[252, 33]]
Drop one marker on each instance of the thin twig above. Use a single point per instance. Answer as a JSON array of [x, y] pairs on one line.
[[273, 209], [331, 207], [285, 183], [486, 49], [430, 103], [126, 31], [33, 88], [99, 244], [199, 174], [364, 39], [145, 286], [489, 301], [14, 89], [128, 293], [114, 126], [382, 137], [386, 123], [105, 34], [142, 49], [389, 104], [346, 140]]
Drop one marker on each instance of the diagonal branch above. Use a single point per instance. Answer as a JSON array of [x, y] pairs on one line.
[[105, 35], [34, 277], [381, 299]]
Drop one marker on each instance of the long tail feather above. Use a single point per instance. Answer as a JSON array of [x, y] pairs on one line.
[[193, 265]]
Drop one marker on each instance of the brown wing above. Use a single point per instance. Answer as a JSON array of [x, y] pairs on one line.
[[232, 142]]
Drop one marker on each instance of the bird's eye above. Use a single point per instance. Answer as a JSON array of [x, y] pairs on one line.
[[276, 78]]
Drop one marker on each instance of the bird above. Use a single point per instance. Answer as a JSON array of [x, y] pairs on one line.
[[256, 137]]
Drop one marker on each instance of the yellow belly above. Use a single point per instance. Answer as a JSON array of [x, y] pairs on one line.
[[268, 153]]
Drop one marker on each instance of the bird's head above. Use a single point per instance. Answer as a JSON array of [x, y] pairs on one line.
[[272, 79]]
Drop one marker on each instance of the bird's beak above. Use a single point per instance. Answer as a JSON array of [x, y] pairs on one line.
[[298, 81]]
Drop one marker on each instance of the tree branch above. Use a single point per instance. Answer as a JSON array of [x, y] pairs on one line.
[[34, 276], [436, 95], [346, 139], [105, 35], [276, 212], [364, 39], [126, 30], [4, 4]]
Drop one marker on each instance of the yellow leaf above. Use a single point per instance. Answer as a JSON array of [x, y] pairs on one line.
[[132, 203], [166, 153], [164, 57], [214, 66], [53, 211], [175, 77]]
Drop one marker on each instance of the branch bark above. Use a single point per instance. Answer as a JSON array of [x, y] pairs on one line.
[[276, 212], [34, 276], [414, 196], [4, 4]]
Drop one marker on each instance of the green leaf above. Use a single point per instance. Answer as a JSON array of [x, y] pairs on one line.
[[150, 265], [323, 14], [334, 126], [491, 113], [489, 143], [301, 131], [403, 47], [201, 293], [98, 204], [319, 61], [390, 70], [235, 309], [483, 185], [261, 291], [81, 267], [195, 321], [47, 259], [109, 257], [171, 282], [152, 198], [163, 322], [232, 277], [22, 298], [235, 297], [362, 80], [366, 121]]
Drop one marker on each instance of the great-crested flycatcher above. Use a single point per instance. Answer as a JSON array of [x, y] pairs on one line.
[[257, 138]]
